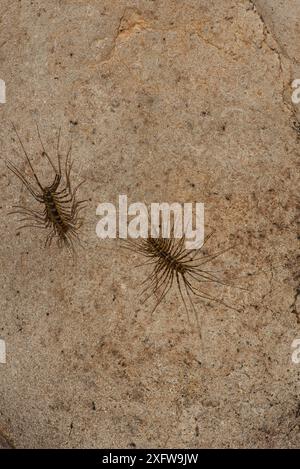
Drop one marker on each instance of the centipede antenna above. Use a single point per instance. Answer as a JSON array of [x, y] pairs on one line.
[[170, 261], [61, 213]]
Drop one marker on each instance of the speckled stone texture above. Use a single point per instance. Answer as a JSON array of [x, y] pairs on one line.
[[186, 101]]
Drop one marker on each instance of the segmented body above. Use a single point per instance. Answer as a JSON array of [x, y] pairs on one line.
[[55, 214], [172, 263], [161, 251], [61, 209]]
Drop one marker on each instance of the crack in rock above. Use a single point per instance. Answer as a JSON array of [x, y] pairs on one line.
[[278, 50], [130, 23], [294, 306]]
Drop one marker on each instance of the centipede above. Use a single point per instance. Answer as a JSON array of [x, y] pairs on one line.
[[174, 265], [59, 212]]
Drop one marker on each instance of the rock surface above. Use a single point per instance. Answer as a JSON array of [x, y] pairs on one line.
[[186, 101], [4, 443]]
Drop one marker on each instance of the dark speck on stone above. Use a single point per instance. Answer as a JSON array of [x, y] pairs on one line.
[[132, 445]]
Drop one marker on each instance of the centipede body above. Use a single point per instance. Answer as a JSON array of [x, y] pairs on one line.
[[60, 213], [173, 264]]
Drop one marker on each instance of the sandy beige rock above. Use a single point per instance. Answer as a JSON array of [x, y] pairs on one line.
[[166, 101]]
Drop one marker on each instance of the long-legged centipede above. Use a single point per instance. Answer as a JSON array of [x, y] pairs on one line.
[[61, 209], [172, 263]]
